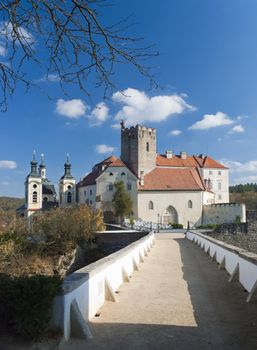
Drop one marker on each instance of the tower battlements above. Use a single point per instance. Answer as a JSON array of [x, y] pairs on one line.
[[138, 148]]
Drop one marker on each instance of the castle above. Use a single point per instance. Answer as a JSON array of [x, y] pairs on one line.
[[165, 188]]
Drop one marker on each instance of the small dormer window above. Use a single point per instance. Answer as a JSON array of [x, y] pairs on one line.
[[111, 174], [123, 174]]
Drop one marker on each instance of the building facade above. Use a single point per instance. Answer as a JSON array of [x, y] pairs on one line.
[[165, 188]]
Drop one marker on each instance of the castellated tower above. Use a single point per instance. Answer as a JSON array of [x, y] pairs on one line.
[[138, 148]]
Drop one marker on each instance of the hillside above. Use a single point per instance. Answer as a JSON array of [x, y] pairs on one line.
[[246, 193], [10, 203]]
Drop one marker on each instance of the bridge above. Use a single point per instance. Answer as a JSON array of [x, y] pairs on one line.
[[177, 298]]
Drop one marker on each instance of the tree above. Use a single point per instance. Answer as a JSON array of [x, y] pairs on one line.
[[122, 202], [69, 40]]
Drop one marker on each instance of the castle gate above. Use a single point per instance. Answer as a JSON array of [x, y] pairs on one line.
[[170, 216]]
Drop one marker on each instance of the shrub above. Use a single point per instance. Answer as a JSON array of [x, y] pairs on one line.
[[28, 303], [209, 226], [174, 225]]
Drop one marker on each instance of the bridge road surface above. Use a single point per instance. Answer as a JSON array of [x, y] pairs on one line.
[[177, 300]]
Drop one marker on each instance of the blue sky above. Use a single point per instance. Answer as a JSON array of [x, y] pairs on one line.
[[206, 103]]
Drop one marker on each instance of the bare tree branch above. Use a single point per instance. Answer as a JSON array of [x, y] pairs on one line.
[[66, 39]]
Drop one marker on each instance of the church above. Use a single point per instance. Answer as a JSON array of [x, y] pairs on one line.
[[165, 188]]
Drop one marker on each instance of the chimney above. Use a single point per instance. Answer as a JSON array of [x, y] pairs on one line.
[[183, 155], [141, 181], [169, 154]]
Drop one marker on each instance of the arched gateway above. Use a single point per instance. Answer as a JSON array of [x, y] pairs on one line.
[[170, 216]]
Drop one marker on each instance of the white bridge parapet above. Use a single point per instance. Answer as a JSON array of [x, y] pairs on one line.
[[85, 291], [236, 261]]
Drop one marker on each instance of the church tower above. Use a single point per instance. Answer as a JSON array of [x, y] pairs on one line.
[[33, 189], [67, 186], [42, 167], [138, 148]]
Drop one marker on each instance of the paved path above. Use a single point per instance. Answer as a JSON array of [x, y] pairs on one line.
[[177, 300]]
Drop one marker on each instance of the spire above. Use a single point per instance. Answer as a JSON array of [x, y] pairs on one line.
[[42, 164], [33, 164], [67, 167], [42, 167]]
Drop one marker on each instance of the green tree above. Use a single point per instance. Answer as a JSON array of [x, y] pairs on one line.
[[122, 203]]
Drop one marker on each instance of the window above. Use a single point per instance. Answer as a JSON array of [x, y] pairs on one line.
[[90, 192], [69, 197], [111, 174], [219, 197], [123, 174], [190, 204], [87, 201], [45, 199], [110, 187], [85, 193], [210, 172], [147, 146], [34, 186], [69, 187], [91, 202], [129, 186], [219, 172], [34, 197], [219, 185], [150, 205]]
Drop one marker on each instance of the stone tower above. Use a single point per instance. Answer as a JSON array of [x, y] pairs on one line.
[[33, 189], [138, 148], [67, 186]]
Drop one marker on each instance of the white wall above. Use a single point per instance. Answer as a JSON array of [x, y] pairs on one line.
[[84, 194], [234, 259], [223, 213], [217, 175], [178, 199], [87, 286], [105, 179]]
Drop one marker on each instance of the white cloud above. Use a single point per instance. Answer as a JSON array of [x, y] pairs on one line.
[[51, 78], [102, 149], [138, 107], [238, 167], [175, 132], [212, 121], [245, 179], [116, 126], [73, 109], [99, 114], [8, 164], [5, 183], [237, 129], [8, 33], [2, 50]]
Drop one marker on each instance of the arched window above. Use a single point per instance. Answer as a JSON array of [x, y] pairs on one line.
[[147, 146], [190, 204], [129, 186], [69, 197], [123, 174], [34, 197], [150, 205]]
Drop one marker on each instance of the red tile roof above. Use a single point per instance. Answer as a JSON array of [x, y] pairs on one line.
[[173, 179], [190, 161], [90, 179]]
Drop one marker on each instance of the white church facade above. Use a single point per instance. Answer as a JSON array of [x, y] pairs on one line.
[[164, 188]]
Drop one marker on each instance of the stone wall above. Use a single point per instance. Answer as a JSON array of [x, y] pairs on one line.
[[224, 213]]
